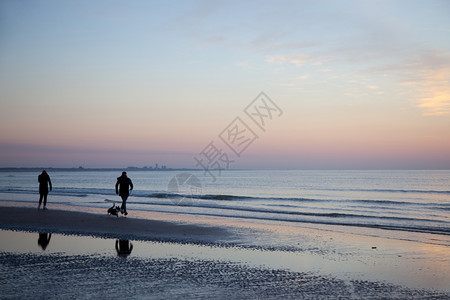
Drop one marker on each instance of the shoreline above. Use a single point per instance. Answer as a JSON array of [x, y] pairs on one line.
[[106, 226], [345, 259]]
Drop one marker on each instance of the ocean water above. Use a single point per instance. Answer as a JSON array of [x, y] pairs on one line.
[[397, 201]]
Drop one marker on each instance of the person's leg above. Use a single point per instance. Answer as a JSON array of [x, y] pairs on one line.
[[40, 200], [45, 200], [124, 204]]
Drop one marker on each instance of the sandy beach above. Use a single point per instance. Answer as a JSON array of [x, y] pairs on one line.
[[205, 258]]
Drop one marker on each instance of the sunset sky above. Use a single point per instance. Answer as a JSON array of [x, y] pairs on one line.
[[358, 84]]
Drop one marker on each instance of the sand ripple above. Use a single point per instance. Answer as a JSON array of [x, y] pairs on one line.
[[58, 276]]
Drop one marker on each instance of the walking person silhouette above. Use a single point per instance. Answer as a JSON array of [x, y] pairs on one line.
[[44, 184], [123, 188]]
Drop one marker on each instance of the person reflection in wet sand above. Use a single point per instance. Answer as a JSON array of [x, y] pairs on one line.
[[123, 248], [44, 240]]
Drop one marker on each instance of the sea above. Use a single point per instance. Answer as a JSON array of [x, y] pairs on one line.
[[393, 202]]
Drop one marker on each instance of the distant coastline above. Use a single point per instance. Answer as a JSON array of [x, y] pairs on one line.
[[81, 169], [151, 169]]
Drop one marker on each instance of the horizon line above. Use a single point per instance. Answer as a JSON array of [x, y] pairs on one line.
[[133, 168]]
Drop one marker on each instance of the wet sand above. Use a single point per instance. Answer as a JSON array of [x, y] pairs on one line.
[[178, 257], [103, 225], [81, 277]]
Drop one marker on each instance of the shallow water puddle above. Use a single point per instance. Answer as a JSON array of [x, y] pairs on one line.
[[379, 267]]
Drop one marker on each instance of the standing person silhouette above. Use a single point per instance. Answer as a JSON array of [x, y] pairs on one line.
[[123, 188], [44, 183]]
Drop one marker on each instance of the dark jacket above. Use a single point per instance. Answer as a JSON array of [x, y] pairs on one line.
[[123, 185], [44, 183]]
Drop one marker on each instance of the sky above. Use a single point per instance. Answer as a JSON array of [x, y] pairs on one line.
[[225, 84]]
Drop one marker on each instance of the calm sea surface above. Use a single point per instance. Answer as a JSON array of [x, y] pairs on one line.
[[401, 201]]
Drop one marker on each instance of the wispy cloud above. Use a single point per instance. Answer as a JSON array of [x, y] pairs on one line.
[[429, 76], [242, 64], [303, 77], [425, 78], [295, 59], [298, 59], [435, 93]]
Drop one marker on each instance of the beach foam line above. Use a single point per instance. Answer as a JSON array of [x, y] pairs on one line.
[[106, 226]]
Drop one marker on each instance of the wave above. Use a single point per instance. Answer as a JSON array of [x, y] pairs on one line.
[[386, 214], [281, 212], [387, 190], [325, 218], [224, 197], [80, 192], [276, 201]]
